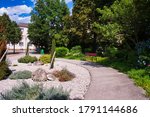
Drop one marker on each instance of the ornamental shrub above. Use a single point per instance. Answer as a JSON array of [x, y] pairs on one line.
[[76, 49], [64, 75], [54, 94], [61, 51], [21, 75], [111, 52], [27, 59], [4, 70], [45, 58], [34, 92]]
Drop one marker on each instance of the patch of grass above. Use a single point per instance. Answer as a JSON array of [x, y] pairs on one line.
[[21, 75], [34, 92], [141, 78], [64, 75]]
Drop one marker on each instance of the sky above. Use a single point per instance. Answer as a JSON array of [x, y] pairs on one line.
[[19, 10]]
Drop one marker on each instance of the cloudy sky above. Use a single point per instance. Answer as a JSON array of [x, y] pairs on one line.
[[19, 10]]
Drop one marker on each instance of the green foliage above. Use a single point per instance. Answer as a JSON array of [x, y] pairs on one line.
[[61, 51], [44, 13], [143, 52], [27, 59], [75, 53], [54, 94], [4, 70], [15, 34], [21, 75], [63, 75], [111, 52], [45, 58], [138, 74], [141, 78], [76, 49], [35, 92]]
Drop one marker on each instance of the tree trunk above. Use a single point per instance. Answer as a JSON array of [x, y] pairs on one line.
[[94, 43], [14, 49]]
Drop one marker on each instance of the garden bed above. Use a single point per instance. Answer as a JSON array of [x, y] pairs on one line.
[[77, 86]]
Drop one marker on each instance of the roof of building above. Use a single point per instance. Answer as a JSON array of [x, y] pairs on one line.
[[23, 25]]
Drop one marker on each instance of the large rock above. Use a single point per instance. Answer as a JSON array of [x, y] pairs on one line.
[[39, 75]]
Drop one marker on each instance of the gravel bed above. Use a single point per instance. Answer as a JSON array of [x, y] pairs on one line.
[[77, 87]]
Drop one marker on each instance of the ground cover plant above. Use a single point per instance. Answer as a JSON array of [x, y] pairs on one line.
[[34, 92], [27, 59], [45, 58], [21, 75]]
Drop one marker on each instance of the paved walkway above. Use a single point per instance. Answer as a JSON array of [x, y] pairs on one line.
[[109, 84]]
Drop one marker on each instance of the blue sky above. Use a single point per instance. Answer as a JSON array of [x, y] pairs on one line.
[[19, 10]]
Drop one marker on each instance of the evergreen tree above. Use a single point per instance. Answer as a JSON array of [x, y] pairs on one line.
[[14, 34]]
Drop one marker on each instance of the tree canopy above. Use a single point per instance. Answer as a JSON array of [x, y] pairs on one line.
[[45, 14], [9, 30]]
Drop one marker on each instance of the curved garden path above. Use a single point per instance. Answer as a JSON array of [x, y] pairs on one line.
[[109, 84], [106, 83]]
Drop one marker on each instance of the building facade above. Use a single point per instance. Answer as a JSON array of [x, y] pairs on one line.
[[22, 45]]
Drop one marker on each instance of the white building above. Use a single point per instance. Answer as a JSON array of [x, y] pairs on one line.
[[22, 45]]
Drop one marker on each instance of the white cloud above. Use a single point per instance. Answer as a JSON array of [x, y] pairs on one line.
[[15, 11], [67, 1], [20, 19], [34, 1]]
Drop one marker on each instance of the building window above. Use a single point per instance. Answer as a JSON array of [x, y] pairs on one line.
[[20, 43]]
